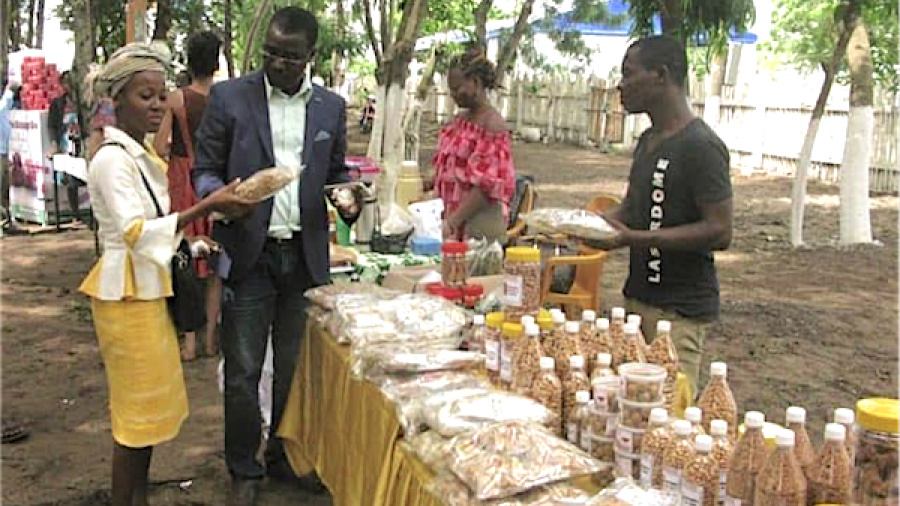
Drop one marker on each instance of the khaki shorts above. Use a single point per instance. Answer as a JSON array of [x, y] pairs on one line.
[[688, 335]]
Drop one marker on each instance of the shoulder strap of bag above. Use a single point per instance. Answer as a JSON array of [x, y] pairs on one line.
[[143, 177], [180, 114]]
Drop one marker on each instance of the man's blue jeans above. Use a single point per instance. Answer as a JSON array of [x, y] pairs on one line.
[[269, 297]]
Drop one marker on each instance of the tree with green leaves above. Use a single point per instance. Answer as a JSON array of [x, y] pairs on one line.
[[817, 34]]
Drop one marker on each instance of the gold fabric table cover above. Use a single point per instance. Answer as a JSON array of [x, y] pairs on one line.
[[347, 431]]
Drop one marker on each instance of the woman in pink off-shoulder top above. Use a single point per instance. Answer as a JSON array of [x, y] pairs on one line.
[[474, 172]]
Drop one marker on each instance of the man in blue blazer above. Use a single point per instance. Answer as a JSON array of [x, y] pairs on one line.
[[275, 117]]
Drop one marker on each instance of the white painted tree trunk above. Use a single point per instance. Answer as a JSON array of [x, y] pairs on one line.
[[386, 142], [855, 222], [798, 195]]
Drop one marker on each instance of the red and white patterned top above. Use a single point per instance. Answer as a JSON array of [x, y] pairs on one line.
[[470, 156]]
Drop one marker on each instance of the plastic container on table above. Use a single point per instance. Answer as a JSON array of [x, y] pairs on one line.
[[830, 477], [454, 271], [521, 282], [471, 295], [877, 439], [642, 382], [658, 436], [494, 323], [510, 340], [547, 390], [746, 461], [781, 480], [605, 384], [636, 415], [700, 480], [475, 341]]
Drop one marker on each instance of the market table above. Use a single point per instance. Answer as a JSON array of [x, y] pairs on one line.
[[348, 432]]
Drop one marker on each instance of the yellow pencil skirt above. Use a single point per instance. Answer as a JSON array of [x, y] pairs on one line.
[[147, 398]]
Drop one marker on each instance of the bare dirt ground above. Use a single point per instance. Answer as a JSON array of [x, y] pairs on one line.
[[815, 326]]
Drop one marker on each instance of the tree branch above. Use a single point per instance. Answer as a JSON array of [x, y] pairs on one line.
[[481, 14], [370, 30], [504, 61]]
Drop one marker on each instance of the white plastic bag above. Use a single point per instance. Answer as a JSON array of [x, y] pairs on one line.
[[427, 216], [265, 386], [395, 220]]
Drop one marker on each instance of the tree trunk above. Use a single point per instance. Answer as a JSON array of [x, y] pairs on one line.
[[481, 15], [505, 59], [163, 20], [412, 119], [29, 38], [387, 140], [4, 39], [798, 193], [337, 56], [713, 102], [373, 39], [855, 222], [83, 29], [671, 16], [15, 25], [39, 35], [227, 39], [251, 35]]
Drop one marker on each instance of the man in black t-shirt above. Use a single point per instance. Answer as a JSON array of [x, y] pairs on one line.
[[678, 207]]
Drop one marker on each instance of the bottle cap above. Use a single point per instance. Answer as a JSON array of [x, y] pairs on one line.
[[547, 363], [532, 330], [693, 415], [604, 359], [718, 369], [572, 327], [582, 397], [796, 414], [635, 319], [754, 420], [663, 326], [559, 317], [682, 428], [527, 320], [785, 438], [844, 416], [588, 316], [630, 328], [603, 323], [618, 313], [718, 428], [835, 432], [478, 319], [576, 362], [658, 416], [703, 443]]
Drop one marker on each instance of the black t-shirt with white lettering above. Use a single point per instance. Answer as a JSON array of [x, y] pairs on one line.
[[665, 189]]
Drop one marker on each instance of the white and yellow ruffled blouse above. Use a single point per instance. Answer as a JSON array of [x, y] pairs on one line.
[[137, 245]]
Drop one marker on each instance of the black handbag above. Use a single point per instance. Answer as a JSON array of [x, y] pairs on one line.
[[186, 303], [387, 244]]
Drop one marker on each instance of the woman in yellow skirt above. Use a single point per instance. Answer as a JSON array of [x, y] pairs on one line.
[[130, 283]]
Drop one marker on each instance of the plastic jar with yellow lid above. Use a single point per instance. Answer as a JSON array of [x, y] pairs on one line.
[[494, 323], [877, 442], [510, 337], [521, 282]]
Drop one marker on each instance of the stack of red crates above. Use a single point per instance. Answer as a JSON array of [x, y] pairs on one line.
[[40, 83]]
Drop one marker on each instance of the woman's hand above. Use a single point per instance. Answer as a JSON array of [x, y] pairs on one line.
[[450, 230], [228, 203], [202, 246]]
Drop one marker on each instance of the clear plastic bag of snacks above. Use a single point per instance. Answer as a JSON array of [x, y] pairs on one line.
[[574, 222], [452, 492], [409, 393], [266, 183], [405, 317], [472, 412], [414, 415], [382, 362], [625, 492], [504, 459], [432, 449], [327, 296]]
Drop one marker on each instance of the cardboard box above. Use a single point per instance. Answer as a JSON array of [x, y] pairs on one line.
[[409, 279]]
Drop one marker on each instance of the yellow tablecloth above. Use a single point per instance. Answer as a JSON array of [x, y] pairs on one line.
[[347, 431]]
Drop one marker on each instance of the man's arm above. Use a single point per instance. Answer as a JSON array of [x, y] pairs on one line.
[[712, 232], [213, 146]]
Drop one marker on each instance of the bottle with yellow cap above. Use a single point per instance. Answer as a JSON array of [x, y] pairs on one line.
[[494, 323], [877, 441], [521, 282], [509, 349]]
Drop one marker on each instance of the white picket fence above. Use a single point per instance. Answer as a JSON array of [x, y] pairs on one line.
[[762, 138]]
